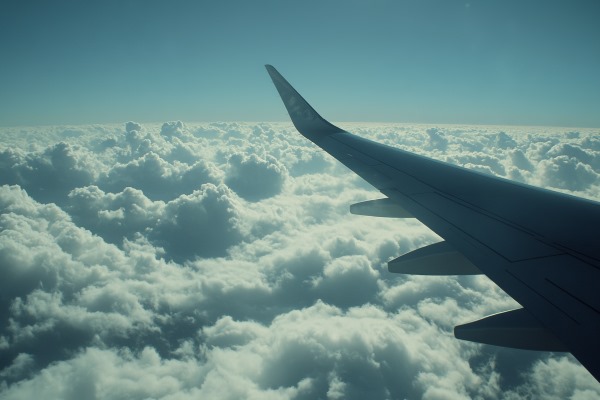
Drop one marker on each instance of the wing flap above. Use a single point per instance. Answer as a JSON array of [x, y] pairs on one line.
[[386, 208], [436, 259]]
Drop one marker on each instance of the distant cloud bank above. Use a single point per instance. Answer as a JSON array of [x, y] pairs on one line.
[[220, 261]]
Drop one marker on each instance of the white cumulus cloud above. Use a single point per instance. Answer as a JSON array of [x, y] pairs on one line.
[[177, 261]]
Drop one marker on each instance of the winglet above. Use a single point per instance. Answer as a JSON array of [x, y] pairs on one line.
[[305, 118]]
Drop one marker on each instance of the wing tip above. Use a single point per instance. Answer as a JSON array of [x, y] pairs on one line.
[[308, 122]]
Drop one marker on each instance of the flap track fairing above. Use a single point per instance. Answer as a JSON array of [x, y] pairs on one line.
[[386, 208], [517, 329], [436, 259]]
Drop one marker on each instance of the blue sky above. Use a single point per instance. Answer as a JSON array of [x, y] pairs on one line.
[[481, 62]]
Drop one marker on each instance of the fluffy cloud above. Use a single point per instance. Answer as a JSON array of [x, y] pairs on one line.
[[49, 174], [204, 223], [565, 172], [254, 178], [157, 178], [437, 139], [113, 216], [220, 261]]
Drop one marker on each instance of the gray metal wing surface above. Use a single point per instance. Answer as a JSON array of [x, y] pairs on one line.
[[541, 247]]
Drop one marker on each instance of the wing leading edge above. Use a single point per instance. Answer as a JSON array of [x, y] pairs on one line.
[[539, 246]]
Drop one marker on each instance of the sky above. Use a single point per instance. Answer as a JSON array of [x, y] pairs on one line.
[[166, 233], [220, 261], [428, 61]]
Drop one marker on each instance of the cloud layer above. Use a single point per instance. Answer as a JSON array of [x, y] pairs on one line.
[[220, 261]]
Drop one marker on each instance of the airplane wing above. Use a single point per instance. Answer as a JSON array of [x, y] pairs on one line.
[[541, 247]]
